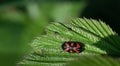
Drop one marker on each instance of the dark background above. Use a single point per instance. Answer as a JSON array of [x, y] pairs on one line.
[[23, 20]]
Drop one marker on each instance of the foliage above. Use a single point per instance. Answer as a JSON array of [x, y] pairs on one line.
[[98, 38]]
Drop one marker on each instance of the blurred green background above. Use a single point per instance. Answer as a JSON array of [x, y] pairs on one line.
[[21, 21]]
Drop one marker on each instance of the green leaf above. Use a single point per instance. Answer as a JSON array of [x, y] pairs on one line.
[[92, 33], [94, 61], [97, 38]]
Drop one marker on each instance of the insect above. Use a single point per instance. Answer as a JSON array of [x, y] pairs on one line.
[[72, 47]]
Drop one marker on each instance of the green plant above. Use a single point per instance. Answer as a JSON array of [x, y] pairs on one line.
[[98, 38]]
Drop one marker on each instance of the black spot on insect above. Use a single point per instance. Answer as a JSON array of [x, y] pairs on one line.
[[73, 47]]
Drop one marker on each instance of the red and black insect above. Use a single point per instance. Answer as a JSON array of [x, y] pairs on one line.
[[72, 47]]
